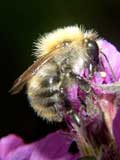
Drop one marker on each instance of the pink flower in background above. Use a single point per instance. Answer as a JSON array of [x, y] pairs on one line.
[[101, 129]]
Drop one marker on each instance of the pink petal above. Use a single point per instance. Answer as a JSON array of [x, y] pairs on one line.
[[113, 56], [9, 144], [53, 147], [116, 128]]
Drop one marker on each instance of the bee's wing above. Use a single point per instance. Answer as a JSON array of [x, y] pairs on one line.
[[21, 81]]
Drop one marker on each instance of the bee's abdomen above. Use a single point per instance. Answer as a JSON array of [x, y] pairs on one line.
[[44, 96]]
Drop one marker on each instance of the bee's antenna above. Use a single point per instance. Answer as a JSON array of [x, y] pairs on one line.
[[114, 76]]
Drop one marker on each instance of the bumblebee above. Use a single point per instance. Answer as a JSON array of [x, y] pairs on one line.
[[61, 56]]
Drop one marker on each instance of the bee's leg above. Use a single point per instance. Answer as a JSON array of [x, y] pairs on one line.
[[69, 110], [75, 117]]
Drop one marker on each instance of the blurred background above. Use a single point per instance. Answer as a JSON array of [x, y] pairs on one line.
[[21, 23]]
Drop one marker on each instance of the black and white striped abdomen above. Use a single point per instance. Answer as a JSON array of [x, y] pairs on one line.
[[44, 93]]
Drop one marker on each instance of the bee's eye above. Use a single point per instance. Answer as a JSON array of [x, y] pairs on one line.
[[92, 48], [92, 45]]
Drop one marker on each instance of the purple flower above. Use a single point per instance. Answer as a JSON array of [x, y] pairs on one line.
[[94, 125], [54, 146], [95, 103]]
